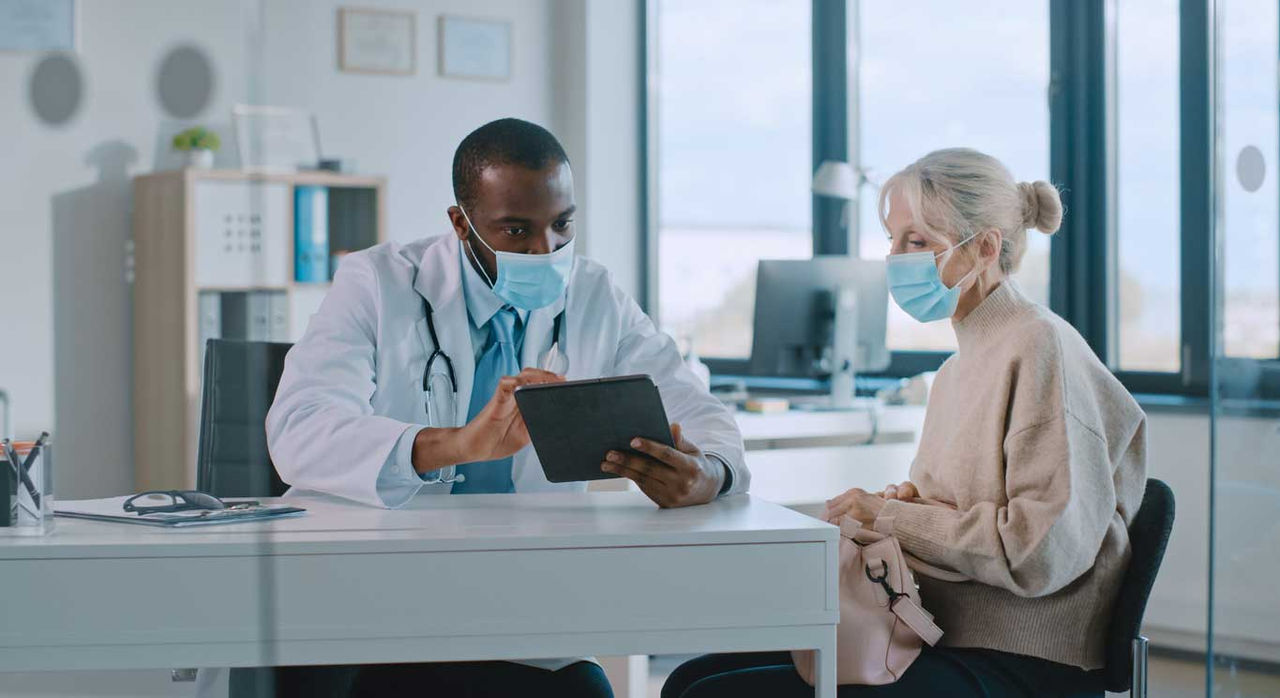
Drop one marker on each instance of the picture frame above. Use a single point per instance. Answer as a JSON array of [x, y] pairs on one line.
[[38, 26], [475, 49], [275, 139], [377, 42]]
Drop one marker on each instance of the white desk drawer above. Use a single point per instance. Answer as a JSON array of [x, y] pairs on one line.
[[85, 602]]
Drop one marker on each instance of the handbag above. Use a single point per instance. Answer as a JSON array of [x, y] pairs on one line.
[[883, 625]]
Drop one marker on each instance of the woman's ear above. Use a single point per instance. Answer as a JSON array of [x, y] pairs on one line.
[[989, 244]]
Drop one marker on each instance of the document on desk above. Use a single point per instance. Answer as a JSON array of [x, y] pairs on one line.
[[112, 510]]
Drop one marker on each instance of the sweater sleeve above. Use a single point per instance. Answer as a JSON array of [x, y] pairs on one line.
[[1060, 501]]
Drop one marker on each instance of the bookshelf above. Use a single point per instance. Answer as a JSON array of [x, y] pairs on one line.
[[206, 238]]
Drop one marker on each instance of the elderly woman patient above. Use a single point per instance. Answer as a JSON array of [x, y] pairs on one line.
[[1032, 458]]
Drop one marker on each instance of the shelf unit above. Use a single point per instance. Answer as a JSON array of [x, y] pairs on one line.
[[222, 231]]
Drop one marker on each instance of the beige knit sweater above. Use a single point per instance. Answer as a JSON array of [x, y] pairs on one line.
[[1042, 452]]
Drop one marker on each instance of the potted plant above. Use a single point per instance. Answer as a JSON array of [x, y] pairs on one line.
[[198, 143]]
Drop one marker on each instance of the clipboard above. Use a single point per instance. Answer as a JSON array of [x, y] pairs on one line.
[[110, 510]]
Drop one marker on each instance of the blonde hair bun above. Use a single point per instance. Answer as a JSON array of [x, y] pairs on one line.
[[1041, 206]]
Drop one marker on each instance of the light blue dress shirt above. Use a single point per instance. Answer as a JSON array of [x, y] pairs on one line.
[[398, 481]]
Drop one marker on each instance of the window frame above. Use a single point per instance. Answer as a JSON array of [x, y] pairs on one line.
[[1082, 285], [1083, 256]]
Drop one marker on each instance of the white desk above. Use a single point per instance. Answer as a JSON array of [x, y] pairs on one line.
[[857, 427], [800, 459], [450, 578]]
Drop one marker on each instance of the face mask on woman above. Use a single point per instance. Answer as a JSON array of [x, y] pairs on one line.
[[916, 284]]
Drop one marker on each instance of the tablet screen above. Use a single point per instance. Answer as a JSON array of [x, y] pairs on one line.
[[573, 425]]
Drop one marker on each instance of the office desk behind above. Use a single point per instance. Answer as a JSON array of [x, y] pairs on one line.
[[801, 459], [447, 579], [865, 425]]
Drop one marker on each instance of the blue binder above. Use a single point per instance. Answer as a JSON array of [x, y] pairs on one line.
[[310, 233]]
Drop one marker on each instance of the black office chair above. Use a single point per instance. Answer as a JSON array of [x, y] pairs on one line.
[[1126, 650], [240, 380]]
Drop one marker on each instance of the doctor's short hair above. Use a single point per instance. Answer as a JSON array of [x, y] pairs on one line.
[[956, 192], [502, 142]]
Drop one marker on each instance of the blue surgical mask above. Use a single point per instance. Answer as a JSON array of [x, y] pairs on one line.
[[527, 281], [917, 287]]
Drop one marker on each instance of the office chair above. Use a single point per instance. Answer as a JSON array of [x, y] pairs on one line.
[[1126, 649], [240, 380]]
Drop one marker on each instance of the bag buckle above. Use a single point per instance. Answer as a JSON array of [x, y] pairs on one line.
[[883, 581]]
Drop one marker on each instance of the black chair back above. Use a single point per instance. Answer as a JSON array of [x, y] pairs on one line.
[[1148, 538], [240, 380]]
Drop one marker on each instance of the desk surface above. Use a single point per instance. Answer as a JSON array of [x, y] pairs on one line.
[[446, 579], [441, 524], [865, 425]]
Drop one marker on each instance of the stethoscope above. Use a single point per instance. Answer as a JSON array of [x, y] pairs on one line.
[[553, 359]]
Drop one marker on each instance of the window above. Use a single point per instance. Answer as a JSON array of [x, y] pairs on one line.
[[734, 158], [1147, 233], [1250, 218], [914, 97], [1112, 102]]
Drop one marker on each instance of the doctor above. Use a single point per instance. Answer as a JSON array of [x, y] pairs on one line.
[[403, 383]]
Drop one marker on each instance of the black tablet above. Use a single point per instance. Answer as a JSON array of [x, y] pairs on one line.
[[573, 425]]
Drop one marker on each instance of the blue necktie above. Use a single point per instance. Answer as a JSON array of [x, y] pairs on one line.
[[498, 360]]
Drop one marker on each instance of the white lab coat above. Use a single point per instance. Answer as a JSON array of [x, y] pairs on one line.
[[353, 384]]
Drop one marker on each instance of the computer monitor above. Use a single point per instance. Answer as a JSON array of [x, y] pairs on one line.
[[796, 317]]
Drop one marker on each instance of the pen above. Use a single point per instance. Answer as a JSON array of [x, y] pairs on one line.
[[11, 454], [31, 459], [553, 360], [31, 455]]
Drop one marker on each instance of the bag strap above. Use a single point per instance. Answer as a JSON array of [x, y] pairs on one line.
[[916, 618], [855, 531], [849, 527]]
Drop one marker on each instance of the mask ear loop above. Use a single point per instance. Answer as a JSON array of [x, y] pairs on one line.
[[476, 234], [947, 252]]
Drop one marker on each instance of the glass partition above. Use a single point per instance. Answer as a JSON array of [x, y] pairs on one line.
[[1244, 622]]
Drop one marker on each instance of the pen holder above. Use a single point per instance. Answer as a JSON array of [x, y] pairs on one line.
[[29, 510]]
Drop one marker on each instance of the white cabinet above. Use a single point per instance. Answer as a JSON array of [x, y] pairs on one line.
[[242, 233]]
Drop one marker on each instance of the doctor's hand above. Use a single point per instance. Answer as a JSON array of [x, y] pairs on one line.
[[671, 477], [498, 430]]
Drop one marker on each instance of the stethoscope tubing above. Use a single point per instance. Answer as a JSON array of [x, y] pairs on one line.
[[437, 351]]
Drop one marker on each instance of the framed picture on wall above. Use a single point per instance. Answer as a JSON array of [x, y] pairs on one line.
[[476, 49], [381, 42], [275, 139], [38, 25]]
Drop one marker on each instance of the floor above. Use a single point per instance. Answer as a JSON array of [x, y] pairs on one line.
[[1169, 678]]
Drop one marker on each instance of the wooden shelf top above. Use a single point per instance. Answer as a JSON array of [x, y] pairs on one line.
[[248, 288], [316, 177]]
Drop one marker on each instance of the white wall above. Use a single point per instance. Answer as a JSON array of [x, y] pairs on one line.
[[64, 193], [1248, 534], [612, 109], [1178, 453], [597, 108], [406, 128], [64, 201]]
